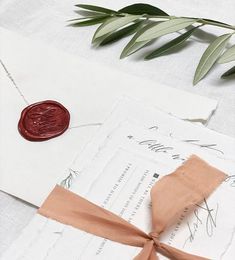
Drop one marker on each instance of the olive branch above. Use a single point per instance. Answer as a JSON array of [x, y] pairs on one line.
[[147, 23]]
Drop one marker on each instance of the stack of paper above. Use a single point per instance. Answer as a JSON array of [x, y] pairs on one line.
[[134, 148]]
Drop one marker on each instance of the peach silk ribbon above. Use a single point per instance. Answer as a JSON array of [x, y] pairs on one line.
[[187, 186]]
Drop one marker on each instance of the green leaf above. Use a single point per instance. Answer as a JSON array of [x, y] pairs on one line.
[[91, 21], [166, 27], [96, 42], [228, 55], [79, 19], [170, 45], [113, 24], [210, 56], [142, 9], [134, 46], [228, 73], [113, 37], [96, 9]]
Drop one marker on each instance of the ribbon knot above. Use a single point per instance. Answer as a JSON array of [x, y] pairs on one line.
[[155, 237], [153, 246]]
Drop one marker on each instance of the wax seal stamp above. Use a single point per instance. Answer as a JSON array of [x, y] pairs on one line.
[[43, 120]]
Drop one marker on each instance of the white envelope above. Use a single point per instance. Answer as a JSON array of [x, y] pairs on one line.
[[88, 90]]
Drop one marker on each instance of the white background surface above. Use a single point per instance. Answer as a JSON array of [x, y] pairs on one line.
[[44, 20]]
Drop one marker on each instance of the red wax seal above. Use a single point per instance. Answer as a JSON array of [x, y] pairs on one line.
[[43, 120]]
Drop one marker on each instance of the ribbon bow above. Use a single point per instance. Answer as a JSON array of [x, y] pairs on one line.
[[187, 186]]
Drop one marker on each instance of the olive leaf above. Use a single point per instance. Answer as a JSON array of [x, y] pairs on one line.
[[229, 73], [96, 9], [166, 27], [112, 24], [210, 56], [80, 19], [97, 41], [117, 35], [134, 46], [88, 22], [170, 45], [142, 9], [228, 55]]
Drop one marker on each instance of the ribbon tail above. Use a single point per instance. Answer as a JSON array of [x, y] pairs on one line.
[[67, 207], [148, 252], [154, 255], [176, 254]]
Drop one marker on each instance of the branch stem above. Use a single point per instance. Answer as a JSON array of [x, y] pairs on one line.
[[200, 20], [227, 26]]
